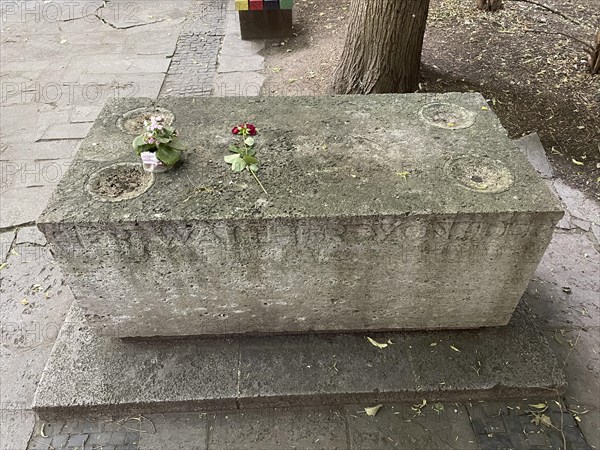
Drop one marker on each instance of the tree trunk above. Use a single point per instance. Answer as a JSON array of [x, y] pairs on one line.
[[489, 5], [383, 47], [595, 55]]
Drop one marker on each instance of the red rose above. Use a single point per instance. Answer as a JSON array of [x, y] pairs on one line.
[[251, 129], [235, 130]]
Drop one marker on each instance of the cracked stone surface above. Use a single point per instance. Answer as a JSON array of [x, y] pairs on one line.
[[583, 211], [30, 235], [6, 241]]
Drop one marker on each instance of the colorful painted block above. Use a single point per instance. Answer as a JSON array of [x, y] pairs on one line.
[[286, 4], [255, 5], [271, 4], [241, 5]]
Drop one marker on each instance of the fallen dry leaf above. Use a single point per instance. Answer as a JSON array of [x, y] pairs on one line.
[[379, 344], [372, 410]]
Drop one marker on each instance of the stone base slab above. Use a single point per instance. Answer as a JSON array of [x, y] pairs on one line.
[[92, 375]]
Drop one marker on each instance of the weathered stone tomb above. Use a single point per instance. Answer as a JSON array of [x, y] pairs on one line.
[[383, 212]]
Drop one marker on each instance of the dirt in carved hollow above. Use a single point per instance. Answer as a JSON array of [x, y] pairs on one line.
[[134, 121], [526, 60], [119, 182]]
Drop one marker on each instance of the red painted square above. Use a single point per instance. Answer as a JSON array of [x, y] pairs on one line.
[[255, 5]]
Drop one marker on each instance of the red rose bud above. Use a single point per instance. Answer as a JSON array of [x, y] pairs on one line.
[[235, 130], [251, 129]]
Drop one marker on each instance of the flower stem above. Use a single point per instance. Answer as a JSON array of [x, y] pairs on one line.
[[257, 180]]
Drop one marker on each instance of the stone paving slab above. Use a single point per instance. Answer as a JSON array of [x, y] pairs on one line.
[[31, 173], [58, 131], [124, 434], [111, 63], [238, 77], [500, 425], [108, 374], [532, 147], [6, 241], [321, 369], [174, 431], [34, 302], [238, 84], [16, 425], [565, 290], [14, 154], [421, 426], [88, 374], [405, 426], [463, 366], [15, 122], [17, 206], [274, 429], [30, 235], [577, 203]]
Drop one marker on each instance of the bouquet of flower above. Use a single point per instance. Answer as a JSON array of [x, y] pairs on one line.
[[244, 154], [158, 146]]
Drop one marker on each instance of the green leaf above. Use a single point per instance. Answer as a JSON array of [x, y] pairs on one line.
[[236, 161], [250, 160], [176, 143], [168, 155], [253, 167], [249, 141], [251, 151], [229, 159], [138, 141], [144, 148], [233, 148], [238, 165]]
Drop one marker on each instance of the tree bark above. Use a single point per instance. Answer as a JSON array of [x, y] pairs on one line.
[[383, 47], [594, 61], [489, 5]]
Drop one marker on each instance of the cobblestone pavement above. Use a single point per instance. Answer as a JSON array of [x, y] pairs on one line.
[[194, 63], [483, 425]]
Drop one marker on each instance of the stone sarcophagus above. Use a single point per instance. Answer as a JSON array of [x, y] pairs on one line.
[[383, 212]]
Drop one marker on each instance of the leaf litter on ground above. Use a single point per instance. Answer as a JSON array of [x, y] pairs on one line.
[[379, 344]]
